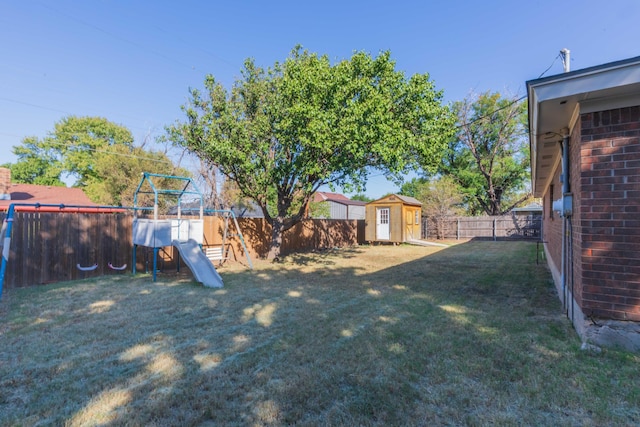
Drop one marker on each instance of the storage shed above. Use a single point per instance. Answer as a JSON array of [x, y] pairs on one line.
[[393, 218], [339, 206]]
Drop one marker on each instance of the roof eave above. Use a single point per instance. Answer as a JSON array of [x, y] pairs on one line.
[[553, 101]]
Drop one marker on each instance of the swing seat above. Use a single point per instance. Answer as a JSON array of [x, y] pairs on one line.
[[215, 253], [120, 268], [88, 268]]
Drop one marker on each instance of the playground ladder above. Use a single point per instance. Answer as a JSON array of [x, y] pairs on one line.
[[225, 235]]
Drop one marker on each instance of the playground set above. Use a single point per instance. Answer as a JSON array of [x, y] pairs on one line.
[[151, 231]]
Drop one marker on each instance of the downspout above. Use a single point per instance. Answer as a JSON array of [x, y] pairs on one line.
[[567, 206], [565, 218]]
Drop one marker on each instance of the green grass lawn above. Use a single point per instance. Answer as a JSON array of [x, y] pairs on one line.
[[467, 335]]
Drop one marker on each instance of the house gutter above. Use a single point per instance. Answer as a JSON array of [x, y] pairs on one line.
[[7, 224], [566, 211], [566, 224]]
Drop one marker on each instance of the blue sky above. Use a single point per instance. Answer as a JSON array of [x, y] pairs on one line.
[[132, 62]]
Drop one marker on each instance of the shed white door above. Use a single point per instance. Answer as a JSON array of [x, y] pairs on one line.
[[382, 223]]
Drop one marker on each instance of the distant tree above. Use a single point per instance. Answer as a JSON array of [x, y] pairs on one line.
[[100, 156], [81, 142], [319, 209], [414, 187], [283, 132], [488, 157], [209, 179], [441, 199], [37, 164], [118, 173], [361, 197], [231, 197]]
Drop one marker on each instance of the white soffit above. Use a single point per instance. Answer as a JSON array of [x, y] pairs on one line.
[[604, 104], [555, 103]]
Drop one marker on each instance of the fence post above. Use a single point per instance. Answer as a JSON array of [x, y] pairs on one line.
[[426, 228], [494, 229], [457, 228]]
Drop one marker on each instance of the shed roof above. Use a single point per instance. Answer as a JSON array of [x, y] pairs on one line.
[[409, 200], [405, 199]]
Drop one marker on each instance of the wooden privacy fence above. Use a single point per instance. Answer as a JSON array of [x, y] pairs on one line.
[[48, 247], [489, 227], [307, 235]]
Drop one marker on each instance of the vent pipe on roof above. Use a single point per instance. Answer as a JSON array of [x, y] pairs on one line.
[[565, 55]]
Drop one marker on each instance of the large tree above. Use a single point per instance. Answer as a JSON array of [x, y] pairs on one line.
[[283, 132], [97, 155], [488, 157]]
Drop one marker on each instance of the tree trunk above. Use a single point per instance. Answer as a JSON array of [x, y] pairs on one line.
[[496, 201], [277, 228], [439, 228]]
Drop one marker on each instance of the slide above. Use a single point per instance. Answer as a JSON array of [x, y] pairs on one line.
[[202, 269]]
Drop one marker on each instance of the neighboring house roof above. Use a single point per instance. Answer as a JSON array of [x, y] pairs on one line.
[[44, 194], [554, 101], [322, 196], [531, 207]]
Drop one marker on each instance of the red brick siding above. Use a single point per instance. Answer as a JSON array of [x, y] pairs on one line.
[[575, 224], [609, 204], [552, 222]]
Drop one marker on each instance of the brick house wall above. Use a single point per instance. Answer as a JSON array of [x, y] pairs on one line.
[[604, 171], [599, 285], [608, 203], [552, 222], [574, 281]]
